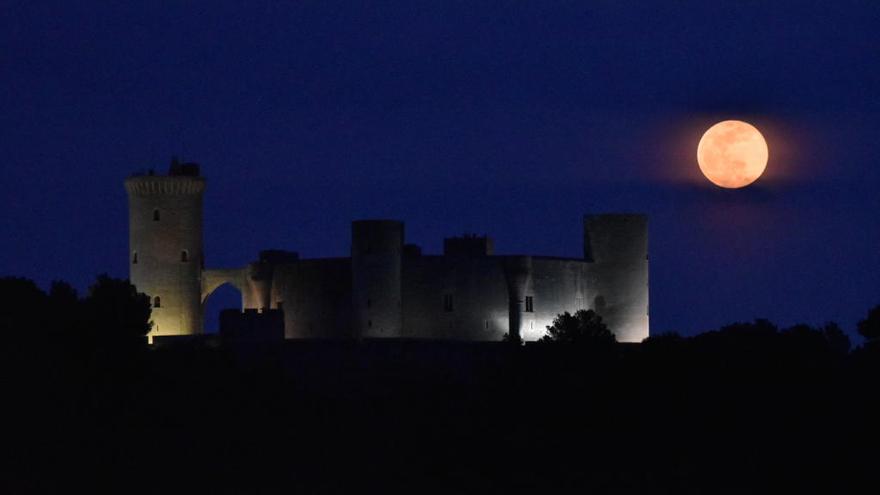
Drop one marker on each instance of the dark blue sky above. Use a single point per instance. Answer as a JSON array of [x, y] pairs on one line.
[[507, 119]]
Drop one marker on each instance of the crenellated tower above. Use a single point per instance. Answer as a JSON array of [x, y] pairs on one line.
[[165, 245]]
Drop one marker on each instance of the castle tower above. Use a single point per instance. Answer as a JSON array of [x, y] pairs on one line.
[[165, 246], [617, 244], [376, 248]]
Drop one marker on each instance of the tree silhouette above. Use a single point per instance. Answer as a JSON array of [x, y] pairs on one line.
[[114, 309], [869, 328], [62, 295], [23, 309], [65, 318], [583, 327], [760, 328], [838, 341]]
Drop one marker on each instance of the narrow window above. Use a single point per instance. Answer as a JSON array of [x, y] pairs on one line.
[[157, 303], [487, 324], [369, 302], [156, 215], [369, 323], [447, 302], [184, 256], [134, 258], [530, 305]]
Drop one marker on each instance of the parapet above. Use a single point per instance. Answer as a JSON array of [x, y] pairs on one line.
[[157, 185], [468, 245], [182, 179]]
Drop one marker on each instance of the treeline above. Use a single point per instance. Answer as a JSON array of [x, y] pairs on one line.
[[112, 310], [746, 408]]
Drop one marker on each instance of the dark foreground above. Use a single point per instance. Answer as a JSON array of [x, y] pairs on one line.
[[745, 415]]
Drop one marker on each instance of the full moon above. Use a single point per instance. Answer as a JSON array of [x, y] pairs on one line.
[[732, 154]]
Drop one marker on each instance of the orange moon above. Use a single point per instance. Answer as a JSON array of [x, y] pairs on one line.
[[732, 154]]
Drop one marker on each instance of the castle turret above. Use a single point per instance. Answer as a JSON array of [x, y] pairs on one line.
[[376, 248], [617, 246], [165, 246]]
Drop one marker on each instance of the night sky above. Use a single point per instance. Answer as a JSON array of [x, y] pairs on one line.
[[507, 119]]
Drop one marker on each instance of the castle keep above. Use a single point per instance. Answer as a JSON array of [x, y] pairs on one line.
[[386, 288]]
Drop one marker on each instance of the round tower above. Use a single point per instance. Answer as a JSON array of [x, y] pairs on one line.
[[376, 248], [617, 246], [165, 246]]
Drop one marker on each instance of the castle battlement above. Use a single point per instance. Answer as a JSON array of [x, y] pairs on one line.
[[153, 185]]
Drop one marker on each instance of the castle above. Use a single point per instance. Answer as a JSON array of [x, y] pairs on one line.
[[386, 288]]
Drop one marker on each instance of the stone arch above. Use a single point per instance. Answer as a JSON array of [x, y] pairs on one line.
[[212, 280]]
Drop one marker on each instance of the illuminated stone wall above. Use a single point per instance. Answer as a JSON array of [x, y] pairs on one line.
[[617, 245], [480, 291], [461, 298]]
